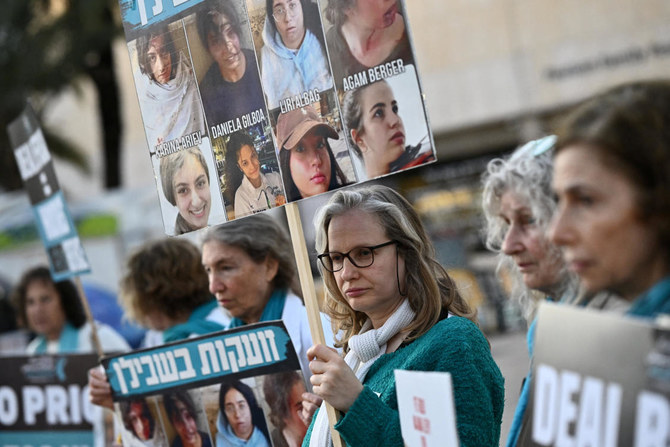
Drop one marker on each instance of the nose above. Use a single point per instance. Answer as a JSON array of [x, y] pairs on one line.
[[349, 270], [316, 158], [215, 284], [559, 231], [196, 200], [394, 119], [512, 243]]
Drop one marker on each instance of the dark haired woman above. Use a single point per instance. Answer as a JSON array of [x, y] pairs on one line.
[[293, 58], [231, 87], [53, 311], [306, 159], [258, 191], [241, 421], [168, 94], [284, 395], [612, 178]]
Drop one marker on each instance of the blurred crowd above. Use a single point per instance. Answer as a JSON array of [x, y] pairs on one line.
[[580, 217]]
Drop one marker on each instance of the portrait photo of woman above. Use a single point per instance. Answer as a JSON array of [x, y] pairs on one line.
[[224, 61], [183, 414], [364, 34], [257, 191], [241, 421], [386, 125], [293, 56], [189, 184], [166, 86], [283, 394], [306, 158]]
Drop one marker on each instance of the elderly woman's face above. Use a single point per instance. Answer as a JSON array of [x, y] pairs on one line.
[[238, 414], [44, 310], [247, 160], [310, 164], [160, 60], [526, 242], [224, 45], [375, 14], [382, 137], [290, 22], [191, 192], [241, 285], [372, 290], [599, 227]]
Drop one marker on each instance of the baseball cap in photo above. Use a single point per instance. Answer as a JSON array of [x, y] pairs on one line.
[[292, 126]]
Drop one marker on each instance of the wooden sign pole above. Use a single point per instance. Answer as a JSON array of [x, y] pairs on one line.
[[309, 295], [89, 316]]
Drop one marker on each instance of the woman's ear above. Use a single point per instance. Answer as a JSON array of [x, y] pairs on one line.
[[271, 268], [356, 138]]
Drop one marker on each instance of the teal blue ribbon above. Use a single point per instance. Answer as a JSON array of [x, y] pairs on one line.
[[68, 341], [655, 301], [196, 324], [272, 310]]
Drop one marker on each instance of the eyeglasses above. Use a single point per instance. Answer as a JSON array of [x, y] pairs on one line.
[[280, 11], [360, 257]]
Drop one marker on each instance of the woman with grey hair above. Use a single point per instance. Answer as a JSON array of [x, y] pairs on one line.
[[518, 205], [185, 182], [396, 308], [251, 272]]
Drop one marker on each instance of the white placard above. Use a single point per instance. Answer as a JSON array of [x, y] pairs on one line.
[[426, 407]]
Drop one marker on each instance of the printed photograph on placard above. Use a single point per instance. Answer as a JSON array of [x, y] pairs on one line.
[[142, 424], [185, 417], [240, 418], [364, 34], [225, 66], [248, 172], [188, 189], [386, 125], [166, 87], [289, 41], [282, 394], [231, 388], [313, 153]]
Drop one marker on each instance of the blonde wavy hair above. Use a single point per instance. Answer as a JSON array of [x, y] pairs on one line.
[[428, 287]]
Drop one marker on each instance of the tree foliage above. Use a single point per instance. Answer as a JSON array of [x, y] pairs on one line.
[[47, 46]]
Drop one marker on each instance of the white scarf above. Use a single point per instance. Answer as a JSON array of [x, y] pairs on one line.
[[364, 349], [170, 110]]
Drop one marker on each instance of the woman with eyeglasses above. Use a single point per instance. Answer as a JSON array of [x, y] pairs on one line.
[[240, 421], [293, 57], [395, 307]]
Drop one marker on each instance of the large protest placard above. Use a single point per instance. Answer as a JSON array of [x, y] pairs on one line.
[[44, 401], [243, 384], [248, 105], [54, 222], [598, 380]]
